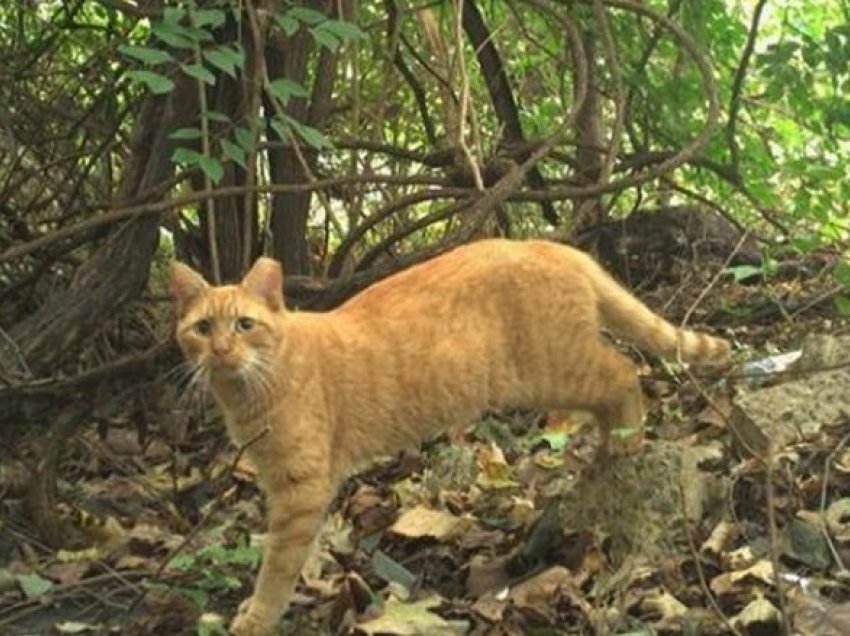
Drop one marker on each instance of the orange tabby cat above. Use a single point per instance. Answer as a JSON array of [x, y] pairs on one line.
[[491, 325]]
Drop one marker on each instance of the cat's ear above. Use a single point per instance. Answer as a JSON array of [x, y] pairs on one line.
[[185, 285], [265, 279]]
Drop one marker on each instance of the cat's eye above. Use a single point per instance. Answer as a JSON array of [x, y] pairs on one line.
[[244, 323], [203, 327]]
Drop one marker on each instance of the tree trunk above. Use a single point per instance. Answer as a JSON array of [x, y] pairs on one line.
[[117, 271], [290, 58]]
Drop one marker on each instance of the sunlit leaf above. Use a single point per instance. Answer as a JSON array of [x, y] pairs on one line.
[[284, 88], [198, 72], [186, 133], [234, 152], [156, 83], [212, 168], [146, 54]]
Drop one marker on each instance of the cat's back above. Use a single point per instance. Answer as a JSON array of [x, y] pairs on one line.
[[470, 271]]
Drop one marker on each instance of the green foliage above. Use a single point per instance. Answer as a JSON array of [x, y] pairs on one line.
[[185, 39], [213, 569]]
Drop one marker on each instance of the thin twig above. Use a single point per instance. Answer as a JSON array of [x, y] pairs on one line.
[[703, 581], [217, 504], [823, 494], [774, 541], [716, 277]]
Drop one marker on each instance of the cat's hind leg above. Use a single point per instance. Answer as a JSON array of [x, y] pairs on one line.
[[619, 406], [603, 381]]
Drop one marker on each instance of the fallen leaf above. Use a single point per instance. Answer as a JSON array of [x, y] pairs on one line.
[[721, 537], [665, 609], [539, 592], [425, 522], [76, 627], [392, 571], [413, 619], [804, 542], [813, 615], [838, 520], [494, 472], [33, 585], [486, 573], [732, 582], [759, 614]]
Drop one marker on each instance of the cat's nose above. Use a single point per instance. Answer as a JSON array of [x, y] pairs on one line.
[[222, 346]]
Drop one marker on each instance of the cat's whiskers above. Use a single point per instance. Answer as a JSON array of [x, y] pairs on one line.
[[257, 375], [196, 387]]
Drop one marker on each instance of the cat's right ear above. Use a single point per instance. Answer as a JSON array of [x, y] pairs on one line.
[[185, 285], [265, 279]]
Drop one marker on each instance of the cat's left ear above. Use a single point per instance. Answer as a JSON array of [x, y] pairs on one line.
[[185, 284], [265, 279]]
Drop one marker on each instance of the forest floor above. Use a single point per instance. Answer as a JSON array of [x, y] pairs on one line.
[[447, 539]]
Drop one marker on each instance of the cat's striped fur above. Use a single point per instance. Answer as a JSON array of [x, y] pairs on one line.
[[491, 325]]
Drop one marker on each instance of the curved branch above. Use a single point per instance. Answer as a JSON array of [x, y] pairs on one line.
[[398, 60], [737, 85], [500, 91]]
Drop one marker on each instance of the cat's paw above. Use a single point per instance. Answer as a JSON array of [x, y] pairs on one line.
[[251, 621]]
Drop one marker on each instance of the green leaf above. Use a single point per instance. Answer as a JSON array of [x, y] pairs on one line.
[[186, 156], [743, 272], [556, 440], [392, 571], [226, 58], [842, 305], [343, 30], [214, 115], [182, 561], [287, 24], [284, 88], [207, 18], [307, 16], [156, 83], [212, 168], [234, 152], [282, 128], [186, 133], [34, 585], [325, 38], [199, 72], [173, 15], [174, 35], [198, 597], [313, 137], [243, 137], [841, 272], [146, 54]]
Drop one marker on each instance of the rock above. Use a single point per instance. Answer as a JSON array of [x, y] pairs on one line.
[[798, 408], [638, 500]]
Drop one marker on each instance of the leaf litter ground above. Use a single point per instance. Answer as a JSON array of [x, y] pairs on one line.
[[460, 537]]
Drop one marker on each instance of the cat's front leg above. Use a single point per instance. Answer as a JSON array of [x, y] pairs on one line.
[[295, 517]]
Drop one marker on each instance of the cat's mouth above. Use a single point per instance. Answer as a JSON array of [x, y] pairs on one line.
[[224, 367]]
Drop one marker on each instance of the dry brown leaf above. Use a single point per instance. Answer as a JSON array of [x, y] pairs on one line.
[[734, 582], [490, 608], [759, 612], [486, 575], [739, 559], [837, 515], [813, 615], [539, 591], [425, 522], [663, 609], [721, 537], [494, 471]]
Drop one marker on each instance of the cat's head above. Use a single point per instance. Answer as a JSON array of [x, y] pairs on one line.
[[229, 331]]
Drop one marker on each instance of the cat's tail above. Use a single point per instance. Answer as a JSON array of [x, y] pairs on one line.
[[627, 316]]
